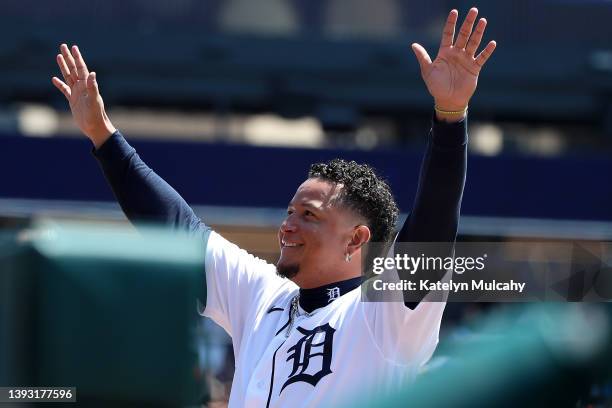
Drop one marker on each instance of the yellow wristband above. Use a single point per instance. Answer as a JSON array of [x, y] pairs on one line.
[[460, 112]]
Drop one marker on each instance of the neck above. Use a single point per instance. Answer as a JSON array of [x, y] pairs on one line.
[[315, 298], [311, 279]]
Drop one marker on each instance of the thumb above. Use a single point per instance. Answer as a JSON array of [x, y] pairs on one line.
[[92, 84], [421, 56]]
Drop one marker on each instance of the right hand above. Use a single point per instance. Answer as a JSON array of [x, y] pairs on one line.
[[81, 89]]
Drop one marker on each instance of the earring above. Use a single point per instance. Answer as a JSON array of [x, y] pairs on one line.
[[347, 258]]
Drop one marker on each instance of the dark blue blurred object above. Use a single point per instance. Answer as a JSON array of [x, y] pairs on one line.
[[237, 175]]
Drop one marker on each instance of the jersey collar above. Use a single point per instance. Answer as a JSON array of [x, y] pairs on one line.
[[315, 298]]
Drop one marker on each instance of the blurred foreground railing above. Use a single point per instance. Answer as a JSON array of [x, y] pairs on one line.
[[108, 310]]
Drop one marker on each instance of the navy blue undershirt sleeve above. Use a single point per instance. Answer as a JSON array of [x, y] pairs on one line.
[[141, 193], [435, 212]]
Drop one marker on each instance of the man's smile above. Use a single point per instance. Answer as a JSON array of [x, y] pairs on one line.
[[286, 244]]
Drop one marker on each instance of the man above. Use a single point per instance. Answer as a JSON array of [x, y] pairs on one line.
[[300, 333]]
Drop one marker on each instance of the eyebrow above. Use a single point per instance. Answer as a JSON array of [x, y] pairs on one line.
[[305, 204]]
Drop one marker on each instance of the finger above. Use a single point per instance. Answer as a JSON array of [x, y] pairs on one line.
[[64, 68], [466, 28], [69, 62], [449, 29], [421, 55], [476, 37], [485, 54], [92, 84], [65, 89], [82, 71]]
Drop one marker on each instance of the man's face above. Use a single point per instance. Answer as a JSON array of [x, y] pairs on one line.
[[315, 234]]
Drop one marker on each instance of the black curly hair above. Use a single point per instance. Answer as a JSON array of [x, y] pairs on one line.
[[363, 192]]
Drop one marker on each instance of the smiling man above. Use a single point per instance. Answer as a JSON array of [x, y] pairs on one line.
[[300, 332], [329, 219]]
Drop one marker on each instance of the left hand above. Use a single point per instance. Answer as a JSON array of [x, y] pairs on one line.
[[452, 77]]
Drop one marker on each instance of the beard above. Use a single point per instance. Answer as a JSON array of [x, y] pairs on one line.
[[287, 271]]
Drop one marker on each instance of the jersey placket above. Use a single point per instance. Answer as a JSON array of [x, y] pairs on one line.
[[263, 386]]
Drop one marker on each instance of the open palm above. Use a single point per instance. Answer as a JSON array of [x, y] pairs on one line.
[[452, 77], [81, 90]]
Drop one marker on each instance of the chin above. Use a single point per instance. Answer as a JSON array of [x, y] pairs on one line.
[[286, 270]]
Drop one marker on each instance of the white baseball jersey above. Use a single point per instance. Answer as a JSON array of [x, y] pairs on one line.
[[347, 349]]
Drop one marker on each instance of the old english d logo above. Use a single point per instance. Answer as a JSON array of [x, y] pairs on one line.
[[303, 352]]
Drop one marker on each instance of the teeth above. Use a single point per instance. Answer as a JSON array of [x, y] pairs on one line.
[[286, 244]]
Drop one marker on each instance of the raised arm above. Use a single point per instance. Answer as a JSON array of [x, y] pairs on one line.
[[435, 212], [142, 194], [411, 336], [451, 80]]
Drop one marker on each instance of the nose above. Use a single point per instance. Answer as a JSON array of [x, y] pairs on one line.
[[288, 225]]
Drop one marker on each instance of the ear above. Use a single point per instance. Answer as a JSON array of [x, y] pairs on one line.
[[361, 235]]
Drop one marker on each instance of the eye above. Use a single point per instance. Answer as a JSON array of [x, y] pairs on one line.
[[289, 211], [309, 213]]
